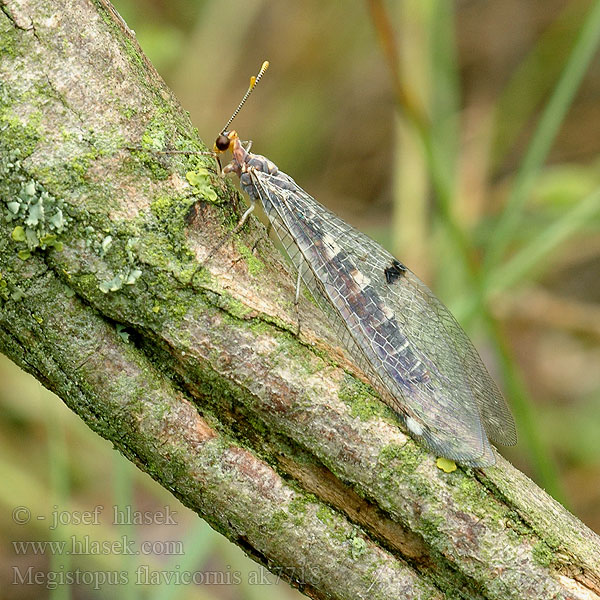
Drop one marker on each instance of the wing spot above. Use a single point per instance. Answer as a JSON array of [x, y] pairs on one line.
[[393, 273], [361, 279], [388, 312], [414, 426]]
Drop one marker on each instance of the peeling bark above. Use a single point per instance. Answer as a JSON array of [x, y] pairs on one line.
[[267, 435]]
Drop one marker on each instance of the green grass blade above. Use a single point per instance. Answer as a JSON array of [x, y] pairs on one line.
[[544, 135], [537, 250], [58, 470], [532, 255], [533, 80], [199, 544], [521, 405], [123, 475]]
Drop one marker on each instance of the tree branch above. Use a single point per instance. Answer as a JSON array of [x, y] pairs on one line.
[[266, 435]]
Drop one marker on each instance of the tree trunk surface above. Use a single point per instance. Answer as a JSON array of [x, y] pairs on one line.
[[124, 290]]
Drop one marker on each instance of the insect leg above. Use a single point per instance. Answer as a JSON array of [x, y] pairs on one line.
[[298, 282], [244, 218], [269, 228], [297, 299]]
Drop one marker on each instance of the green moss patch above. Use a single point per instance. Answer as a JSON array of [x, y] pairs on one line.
[[359, 396]]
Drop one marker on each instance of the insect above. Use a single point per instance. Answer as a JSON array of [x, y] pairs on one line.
[[407, 343]]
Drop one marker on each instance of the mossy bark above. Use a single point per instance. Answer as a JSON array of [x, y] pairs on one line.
[[267, 434]]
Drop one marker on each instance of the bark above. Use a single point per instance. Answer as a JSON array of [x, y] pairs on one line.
[[130, 297]]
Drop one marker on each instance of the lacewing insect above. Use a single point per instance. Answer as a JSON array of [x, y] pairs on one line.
[[410, 347]]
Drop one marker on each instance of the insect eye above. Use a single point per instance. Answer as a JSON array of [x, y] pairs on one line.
[[222, 143]]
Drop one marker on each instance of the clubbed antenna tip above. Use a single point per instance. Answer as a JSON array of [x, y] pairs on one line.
[[253, 81]]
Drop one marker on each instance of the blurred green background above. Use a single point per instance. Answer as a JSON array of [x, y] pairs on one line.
[[465, 137]]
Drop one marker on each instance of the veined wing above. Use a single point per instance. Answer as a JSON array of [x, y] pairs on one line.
[[405, 340]]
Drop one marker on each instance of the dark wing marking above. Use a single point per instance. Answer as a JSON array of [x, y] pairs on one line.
[[394, 271], [407, 343], [434, 328]]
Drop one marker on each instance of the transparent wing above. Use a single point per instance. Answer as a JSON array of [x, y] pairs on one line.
[[407, 343]]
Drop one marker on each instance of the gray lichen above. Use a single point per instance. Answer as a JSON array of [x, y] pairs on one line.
[[39, 217]]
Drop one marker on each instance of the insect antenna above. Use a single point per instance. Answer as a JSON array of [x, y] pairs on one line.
[[223, 141], [253, 82]]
